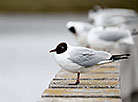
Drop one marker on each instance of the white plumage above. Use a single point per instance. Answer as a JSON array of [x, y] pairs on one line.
[[99, 37], [124, 18], [108, 38], [113, 17], [81, 31]]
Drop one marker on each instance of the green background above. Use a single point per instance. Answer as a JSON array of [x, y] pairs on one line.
[[62, 5]]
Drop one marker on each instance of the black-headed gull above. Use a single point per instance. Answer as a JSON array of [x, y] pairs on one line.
[[80, 30], [95, 36], [79, 59]]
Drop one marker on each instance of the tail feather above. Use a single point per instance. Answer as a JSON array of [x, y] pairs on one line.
[[119, 57], [135, 33]]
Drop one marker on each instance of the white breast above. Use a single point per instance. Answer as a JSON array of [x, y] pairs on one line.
[[66, 64]]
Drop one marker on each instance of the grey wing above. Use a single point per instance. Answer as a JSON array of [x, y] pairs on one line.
[[87, 58], [112, 35]]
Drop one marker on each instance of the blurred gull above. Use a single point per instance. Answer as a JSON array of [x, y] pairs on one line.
[[79, 59], [102, 38], [80, 30], [125, 18]]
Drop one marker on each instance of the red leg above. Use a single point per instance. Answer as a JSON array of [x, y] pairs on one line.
[[78, 79]]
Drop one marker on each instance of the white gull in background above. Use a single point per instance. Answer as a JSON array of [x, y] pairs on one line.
[[79, 59], [80, 31], [94, 36], [125, 18], [101, 38]]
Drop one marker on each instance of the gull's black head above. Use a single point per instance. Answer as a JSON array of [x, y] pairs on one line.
[[72, 29], [61, 48]]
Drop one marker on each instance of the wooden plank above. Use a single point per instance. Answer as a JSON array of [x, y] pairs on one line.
[[52, 99], [85, 84], [86, 93], [100, 85], [95, 75], [87, 76]]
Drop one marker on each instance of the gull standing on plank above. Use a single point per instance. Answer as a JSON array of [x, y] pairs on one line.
[[101, 38], [114, 17], [80, 59], [80, 31]]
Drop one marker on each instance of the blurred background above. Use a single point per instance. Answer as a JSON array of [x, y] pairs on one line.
[[45, 6], [28, 30]]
